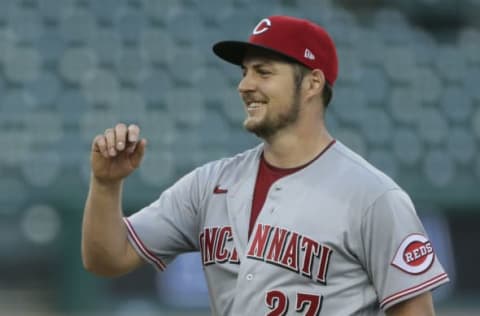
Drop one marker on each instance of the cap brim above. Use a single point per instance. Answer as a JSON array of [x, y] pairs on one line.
[[231, 51], [234, 51]]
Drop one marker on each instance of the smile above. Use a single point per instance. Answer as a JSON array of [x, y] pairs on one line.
[[254, 105]]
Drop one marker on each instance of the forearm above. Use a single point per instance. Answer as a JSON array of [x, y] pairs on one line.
[[104, 236]]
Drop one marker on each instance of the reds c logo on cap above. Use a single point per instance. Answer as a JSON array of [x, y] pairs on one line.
[[415, 255], [262, 26]]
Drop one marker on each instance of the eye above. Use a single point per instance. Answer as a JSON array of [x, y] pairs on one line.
[[264, 72]]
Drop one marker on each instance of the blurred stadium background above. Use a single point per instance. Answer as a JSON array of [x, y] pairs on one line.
[[408, 99]]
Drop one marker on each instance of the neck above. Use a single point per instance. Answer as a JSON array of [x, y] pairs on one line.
[[289, 150]]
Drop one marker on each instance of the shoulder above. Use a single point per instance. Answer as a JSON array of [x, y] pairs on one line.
[[230, 167], [222, 172], [358, 175]]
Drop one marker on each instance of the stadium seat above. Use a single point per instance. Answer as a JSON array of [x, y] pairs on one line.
[[129, 24], [42, 167], [384, 160], [426, 84], [105, 11], [399, 63], [350, 104], [71, 104], [52, 11], [461, 145], [157, 11], [351, 137], [185, 25], [130, 106], [78, 26], [131, 65], [450, 63], [469, 44], [105, 44], [377, 127], [233, 107], [185, 66], [154, 87], [76, 64], [404, 106], [101, 87], [44, 127], [373, 81], [158, 46], [439, 168], [45, 88], [456, 104], [50, 46], [185, 106], [41, 224], [407, 146], [214, 83], [22, 64], [158, 167], [432, 126], [26, 24], [476, 123], [13, 194]]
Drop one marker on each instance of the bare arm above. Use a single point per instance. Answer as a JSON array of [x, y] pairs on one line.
[[105, 247], [421, 305]]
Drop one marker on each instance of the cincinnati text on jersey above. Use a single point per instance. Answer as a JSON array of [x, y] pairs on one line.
[[214, 246], [273, 245]]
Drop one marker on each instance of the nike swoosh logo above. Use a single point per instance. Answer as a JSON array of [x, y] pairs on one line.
[[218, 190]]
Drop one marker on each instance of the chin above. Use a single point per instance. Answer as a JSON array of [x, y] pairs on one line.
[[252, 125], [258, 128]]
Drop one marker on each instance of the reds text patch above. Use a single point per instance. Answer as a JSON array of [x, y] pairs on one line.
[[415, 254]]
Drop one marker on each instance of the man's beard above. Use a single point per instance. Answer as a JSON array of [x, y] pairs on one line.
[[271, 125]]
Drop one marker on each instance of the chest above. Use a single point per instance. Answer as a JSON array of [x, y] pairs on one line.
[[298, 228]]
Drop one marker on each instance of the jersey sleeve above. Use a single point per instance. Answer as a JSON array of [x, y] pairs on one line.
[[168, 226], [399, 257]]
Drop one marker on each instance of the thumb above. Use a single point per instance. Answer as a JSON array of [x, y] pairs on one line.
[[137, 155]]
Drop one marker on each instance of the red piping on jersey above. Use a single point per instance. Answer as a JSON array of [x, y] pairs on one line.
[[266, 176], [288, 171], [414, 289], [147, 253]]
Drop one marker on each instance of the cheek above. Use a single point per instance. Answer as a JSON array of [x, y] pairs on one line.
[[279, 90]]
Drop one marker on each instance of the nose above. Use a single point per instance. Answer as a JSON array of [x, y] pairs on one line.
[[247, 84]]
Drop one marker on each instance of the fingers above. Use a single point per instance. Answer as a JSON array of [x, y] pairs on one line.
[[110, 139], [117, 139], [120, 137], [100, 145], [138, 153], [133, 137]]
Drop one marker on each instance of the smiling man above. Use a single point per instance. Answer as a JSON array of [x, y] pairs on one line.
[[299, 225]]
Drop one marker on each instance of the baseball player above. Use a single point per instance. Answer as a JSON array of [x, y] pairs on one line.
[[298, 225]]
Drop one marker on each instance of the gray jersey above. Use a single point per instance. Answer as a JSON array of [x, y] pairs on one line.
[[338, 237]]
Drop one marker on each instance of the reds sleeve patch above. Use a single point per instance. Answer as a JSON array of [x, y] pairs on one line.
[[415, 254]]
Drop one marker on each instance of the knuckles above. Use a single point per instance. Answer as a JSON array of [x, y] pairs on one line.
[[120, 126], [131, 131]]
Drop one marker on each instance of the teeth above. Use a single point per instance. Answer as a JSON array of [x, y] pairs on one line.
[[255, 104]]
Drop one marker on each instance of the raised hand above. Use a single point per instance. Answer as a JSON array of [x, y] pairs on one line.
[[117, 153]]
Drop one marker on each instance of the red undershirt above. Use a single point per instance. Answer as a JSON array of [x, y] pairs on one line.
[[266, 176]]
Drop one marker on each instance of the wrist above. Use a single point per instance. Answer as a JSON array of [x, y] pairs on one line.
[[105, 185]]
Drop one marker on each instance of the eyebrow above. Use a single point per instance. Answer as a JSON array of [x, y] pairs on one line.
[[257, 65]]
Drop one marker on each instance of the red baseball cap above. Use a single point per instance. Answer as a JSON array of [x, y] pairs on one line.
[[294, 38]]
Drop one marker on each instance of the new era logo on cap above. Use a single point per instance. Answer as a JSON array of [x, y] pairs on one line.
[[308, 54], [297, 39]]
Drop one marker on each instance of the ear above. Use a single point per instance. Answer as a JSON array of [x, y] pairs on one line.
[[314, 84]]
